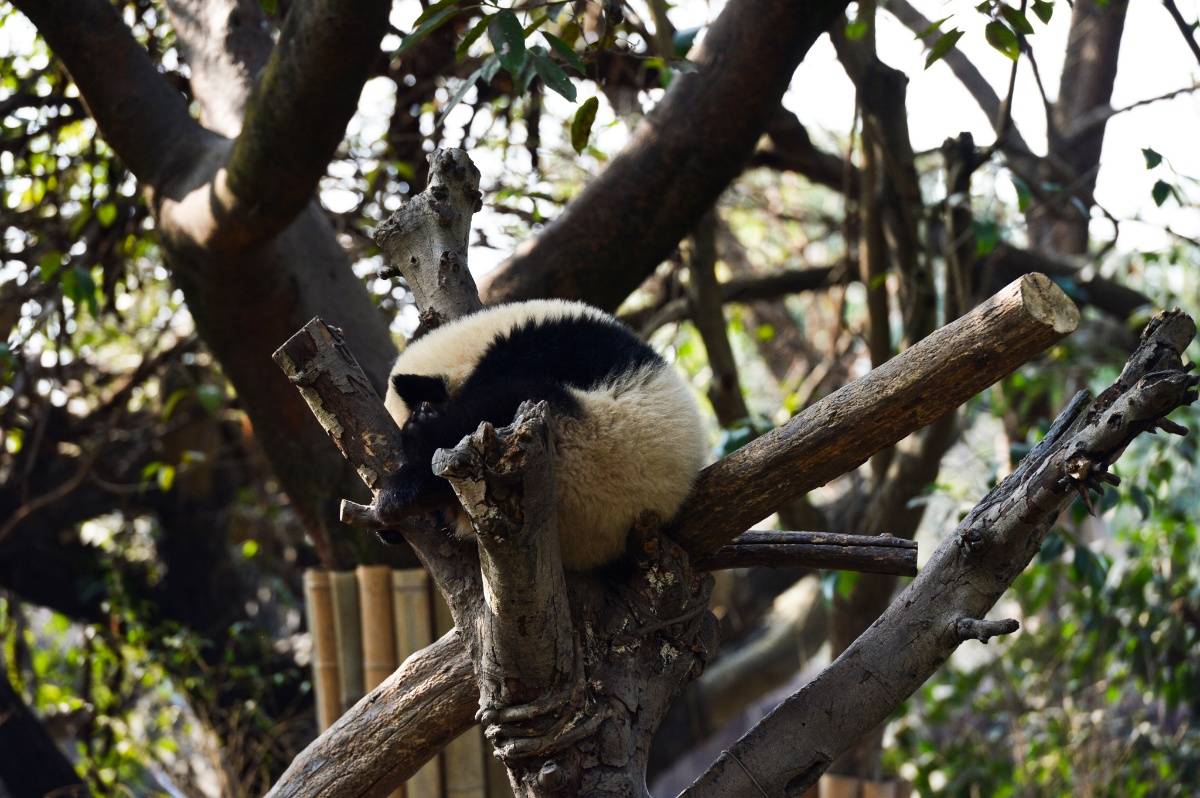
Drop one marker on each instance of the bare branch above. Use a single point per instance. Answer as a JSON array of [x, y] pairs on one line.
[[627, 220], [840, 432], [393, 730], [1186, 29], [792, 746], [968, 75], [1006, 263], [983, 631], [434, 227], [297, 115], [793, 150], [742, 289], [876, 554], [135, 108]]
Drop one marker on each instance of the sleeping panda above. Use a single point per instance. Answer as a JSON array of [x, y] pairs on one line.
[[629, 434]]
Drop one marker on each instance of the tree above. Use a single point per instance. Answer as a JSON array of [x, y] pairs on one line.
[[230, 193]]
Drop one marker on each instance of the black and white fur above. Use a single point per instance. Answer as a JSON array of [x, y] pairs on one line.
[[629, 434]]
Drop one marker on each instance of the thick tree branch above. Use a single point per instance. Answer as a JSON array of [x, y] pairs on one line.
[[683, 155], [135, 108], [392, 731], [774, 285], [298, 113], [876, 554], [1006, 263], [226, 44], [791, 747], [840, 432], [434, 227]]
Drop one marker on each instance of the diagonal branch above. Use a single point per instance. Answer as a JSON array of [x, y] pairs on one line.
[[1186, 29], [680, 159], [791, 747], [968, 75], [298, 113], [913, 389], [137, 111]]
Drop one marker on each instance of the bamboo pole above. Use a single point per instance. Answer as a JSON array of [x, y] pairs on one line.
[[318, 605], [413, 626]]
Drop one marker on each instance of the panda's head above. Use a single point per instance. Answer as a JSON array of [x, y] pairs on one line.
[[409, 392]]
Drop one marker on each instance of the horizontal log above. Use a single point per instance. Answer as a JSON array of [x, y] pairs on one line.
[[823, 539], [863, 559]]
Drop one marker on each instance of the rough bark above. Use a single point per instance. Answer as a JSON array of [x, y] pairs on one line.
[[391, 731], [681, 157], [841, 431], [435, 227], [310, 83], [787, 752], [877, 554]]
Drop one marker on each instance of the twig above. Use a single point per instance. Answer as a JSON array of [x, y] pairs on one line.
[[1185, 28]]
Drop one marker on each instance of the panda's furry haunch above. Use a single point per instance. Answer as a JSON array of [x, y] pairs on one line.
[[629, 434]]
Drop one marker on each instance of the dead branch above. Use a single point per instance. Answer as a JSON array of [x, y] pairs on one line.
[[790, 748], [876, 554], [842, 430], [427, 238]]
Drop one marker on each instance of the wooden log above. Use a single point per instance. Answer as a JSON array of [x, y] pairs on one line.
[[839, 433], [318, 363]]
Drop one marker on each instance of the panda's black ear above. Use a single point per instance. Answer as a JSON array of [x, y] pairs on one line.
[[416, 388]]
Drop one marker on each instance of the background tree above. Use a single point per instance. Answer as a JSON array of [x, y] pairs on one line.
[[162, 166]]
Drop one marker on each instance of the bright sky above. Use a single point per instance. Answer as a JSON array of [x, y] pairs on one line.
[[1154, 60]]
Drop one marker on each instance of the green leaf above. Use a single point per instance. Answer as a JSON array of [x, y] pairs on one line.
[[1001, 37], [1044, 9], [165, 477], [566, 52], [553, 76], [987, 236], [1160, 192], [856, 30], [269, 7], [682, 40], [106, 214], [249, 548], [1017, 19], [172, 401], [581, 125], [209, 397], [472, 36], [1153, 159], [508, 38], [933, 28], [433, 10], [49, 265], [425, 28], [79, 287], [942, 46], [1024, 195]]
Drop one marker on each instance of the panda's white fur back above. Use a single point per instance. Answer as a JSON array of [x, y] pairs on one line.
[[636, 445]]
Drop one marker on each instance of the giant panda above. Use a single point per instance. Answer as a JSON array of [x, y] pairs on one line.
[[629, 435]]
